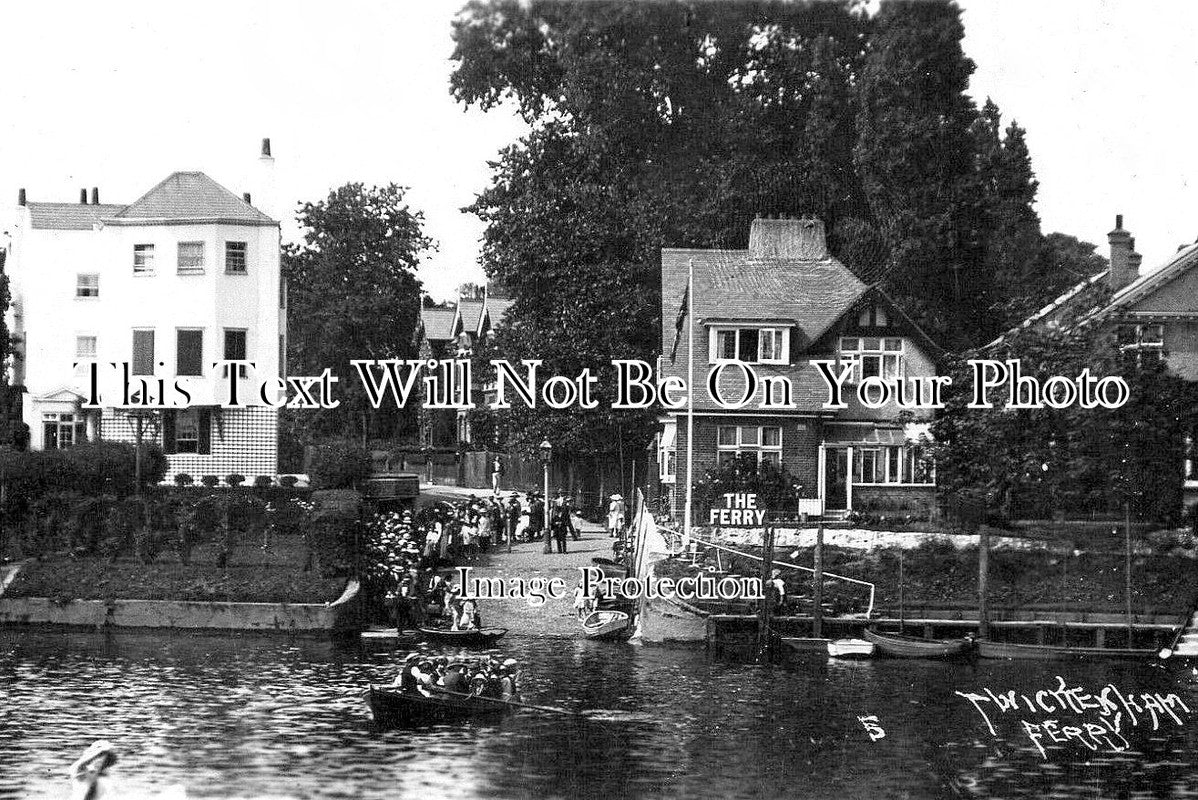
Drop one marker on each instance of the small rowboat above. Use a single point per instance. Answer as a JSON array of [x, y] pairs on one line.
[[1050, 652], [389, 633], [391, 707], [850, 648], [897, 645], [483, 637], [606, 625]]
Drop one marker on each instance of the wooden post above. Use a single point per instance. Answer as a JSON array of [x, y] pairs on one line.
[[983, 583], [1127, 566], [766, 610], [817, 580]]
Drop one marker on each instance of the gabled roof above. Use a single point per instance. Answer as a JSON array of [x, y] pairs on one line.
[[497, 308], [438, 323], [735, 284], [69, 216], [185, 197], [471, 313], [1181, 262]]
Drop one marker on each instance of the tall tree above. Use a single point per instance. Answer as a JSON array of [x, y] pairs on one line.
[[915, 156], [353, 293]]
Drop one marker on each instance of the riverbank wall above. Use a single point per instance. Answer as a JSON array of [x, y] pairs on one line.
[[343, 614]]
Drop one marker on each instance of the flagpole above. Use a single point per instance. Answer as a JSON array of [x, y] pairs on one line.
[[690, 401]]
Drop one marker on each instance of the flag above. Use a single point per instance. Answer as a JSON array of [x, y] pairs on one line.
[[682, 312]]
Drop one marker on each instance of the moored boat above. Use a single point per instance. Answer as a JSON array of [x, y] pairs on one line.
[[606, 625], [850, 648], [1050, 652], [897, 645], [391, 707], [389, 633], [482, 637]]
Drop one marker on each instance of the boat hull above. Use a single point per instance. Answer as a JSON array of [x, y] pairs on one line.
[[898, 646], [607, 625], [1046, 652], [396, 709], [850, 648], [484, 637]]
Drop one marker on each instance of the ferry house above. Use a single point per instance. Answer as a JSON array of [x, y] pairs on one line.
[[776, 306]]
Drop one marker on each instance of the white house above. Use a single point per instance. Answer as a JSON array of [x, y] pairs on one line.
[[184, 276]]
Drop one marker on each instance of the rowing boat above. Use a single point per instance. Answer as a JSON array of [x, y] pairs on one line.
[[391, 707], [483, 637], [1050, 652], [388, 633], [897, 645], [606, 625], [850, 648]]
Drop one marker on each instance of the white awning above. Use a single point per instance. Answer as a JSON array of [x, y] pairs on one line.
[[668, 432]]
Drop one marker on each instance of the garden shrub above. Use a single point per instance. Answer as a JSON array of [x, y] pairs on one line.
[[340, 466], [263, 481], [210, 480], [183, 479], [234, 479], [288, 481]]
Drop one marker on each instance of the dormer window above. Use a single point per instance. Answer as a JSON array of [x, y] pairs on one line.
[[874, 356], [750, 344]]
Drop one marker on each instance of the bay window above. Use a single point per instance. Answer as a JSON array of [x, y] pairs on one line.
[[909, 465]]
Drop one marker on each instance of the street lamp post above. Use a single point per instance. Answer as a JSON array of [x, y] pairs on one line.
[[546, 454]]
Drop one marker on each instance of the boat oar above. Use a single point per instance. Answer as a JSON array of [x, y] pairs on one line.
[[549, 709]]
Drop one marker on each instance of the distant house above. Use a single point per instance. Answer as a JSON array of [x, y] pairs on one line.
[[776, 306], [184, 276], [453, 332], [1153, 315]]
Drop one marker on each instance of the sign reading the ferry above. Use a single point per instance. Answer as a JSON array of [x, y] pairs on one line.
[[738, 511]]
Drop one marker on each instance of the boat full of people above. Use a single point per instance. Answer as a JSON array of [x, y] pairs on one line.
[[435, 689]]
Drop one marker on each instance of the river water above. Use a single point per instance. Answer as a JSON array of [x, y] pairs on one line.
[[277, 717]]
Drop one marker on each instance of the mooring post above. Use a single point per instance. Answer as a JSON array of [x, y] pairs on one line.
[[983, 582], [767, 602], [817, 589]]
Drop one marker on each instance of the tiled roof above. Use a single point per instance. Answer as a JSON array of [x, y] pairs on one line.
[[471, 311], [497, 308], [733, 284], [1141, 287], [186, 197], [69, 216], [438, 323]]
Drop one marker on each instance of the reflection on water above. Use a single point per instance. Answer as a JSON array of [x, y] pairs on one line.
[[275, 717]]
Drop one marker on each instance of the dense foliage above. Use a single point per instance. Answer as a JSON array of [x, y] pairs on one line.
[[352, 293], [92, 468], [674, 124], [339, 465], [1035, 463]]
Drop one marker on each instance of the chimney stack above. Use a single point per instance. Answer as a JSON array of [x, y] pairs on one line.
[[1121, 272], [263, 184], [246, 197], [1134, 260], [266, 148], [798, 239], [95, 195], [20, 197], [83, 196]]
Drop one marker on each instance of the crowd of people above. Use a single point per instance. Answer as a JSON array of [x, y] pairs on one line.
[[482, 676]]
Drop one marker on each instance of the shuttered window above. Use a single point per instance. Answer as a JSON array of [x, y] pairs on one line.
[[143, 352], [190, 356]]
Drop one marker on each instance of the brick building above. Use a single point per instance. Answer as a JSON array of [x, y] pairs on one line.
[[776, 306]]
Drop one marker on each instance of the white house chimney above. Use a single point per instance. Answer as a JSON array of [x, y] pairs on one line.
[[265, 190]]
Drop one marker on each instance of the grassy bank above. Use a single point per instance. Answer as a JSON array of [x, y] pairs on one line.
[[253, 575], [938, 574]]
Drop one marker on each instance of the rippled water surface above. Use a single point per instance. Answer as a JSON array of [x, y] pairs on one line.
[[278, 717]]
